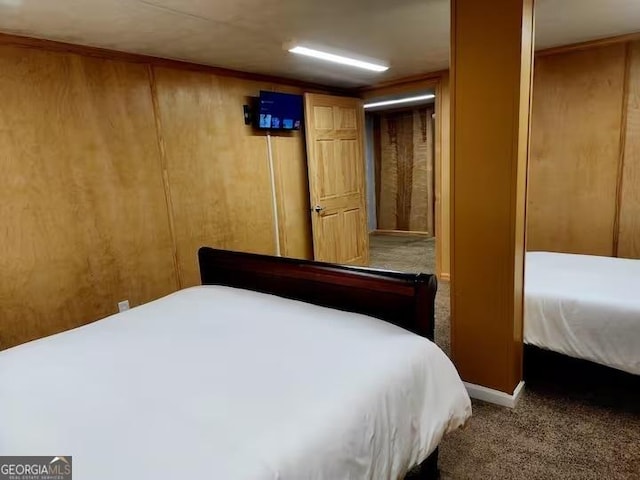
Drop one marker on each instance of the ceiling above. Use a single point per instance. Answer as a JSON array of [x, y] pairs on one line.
[[412, 36], [401, 95]]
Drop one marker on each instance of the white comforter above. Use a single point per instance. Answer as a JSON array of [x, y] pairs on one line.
[[584, 306], [220, 383]]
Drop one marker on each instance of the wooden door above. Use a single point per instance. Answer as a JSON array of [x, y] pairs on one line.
[[335, 140]]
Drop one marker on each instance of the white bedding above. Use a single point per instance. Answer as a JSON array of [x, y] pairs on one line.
[[219, 383], [584, 306]]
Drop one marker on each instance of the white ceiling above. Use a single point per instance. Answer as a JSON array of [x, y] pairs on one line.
[[412, 36]]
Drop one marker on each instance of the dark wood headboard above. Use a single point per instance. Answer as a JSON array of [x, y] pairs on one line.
[[404, 299]]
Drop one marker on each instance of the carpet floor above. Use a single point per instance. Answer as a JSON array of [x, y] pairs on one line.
[[563, 427]]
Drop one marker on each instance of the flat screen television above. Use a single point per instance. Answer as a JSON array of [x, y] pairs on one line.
[[279, 111]]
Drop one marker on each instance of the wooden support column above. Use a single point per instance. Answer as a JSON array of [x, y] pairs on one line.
[[491, 67]]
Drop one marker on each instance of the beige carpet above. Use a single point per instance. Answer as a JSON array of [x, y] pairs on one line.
[[416, 255], [563, 427], [403, 253]]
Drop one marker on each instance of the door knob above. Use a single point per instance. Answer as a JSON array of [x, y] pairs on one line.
[[318, 208]]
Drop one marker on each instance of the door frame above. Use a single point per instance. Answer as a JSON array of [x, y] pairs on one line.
[[439, 82]]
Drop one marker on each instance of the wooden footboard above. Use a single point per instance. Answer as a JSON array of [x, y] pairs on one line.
[[404, 299]]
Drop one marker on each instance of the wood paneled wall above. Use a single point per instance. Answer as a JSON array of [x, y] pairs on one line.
[[115, 172], [575, 150], [218, 171], [84, 219], [292, 189], [443, 180], [406, 170], [583, 184], [628, 241]]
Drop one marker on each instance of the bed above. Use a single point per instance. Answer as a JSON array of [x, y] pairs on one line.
[[272, 369], [583, 306]]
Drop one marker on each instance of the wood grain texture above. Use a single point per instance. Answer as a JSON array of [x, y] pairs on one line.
[[163, 169], [406, 166], [575, 146], [84, 222], [443, 180], [388, 167], [492, 52], [629, 221], [217, 167], [335, 149], [106, 54], [292, 186], [377, 155], [102, 162]]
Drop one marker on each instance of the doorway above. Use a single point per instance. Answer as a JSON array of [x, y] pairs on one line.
[[400, 152]]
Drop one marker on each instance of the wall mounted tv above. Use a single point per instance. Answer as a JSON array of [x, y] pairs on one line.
[[279, 111]]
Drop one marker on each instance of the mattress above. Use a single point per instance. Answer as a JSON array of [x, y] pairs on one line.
[[584, 306], [221, 383]]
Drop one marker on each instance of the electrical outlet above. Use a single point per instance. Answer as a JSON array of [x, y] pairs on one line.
[[124, 305]]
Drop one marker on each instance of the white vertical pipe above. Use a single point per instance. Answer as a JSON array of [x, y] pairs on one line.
[[273, 196]]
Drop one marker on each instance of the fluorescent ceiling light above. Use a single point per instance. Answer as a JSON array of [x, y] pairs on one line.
[[330, 57], [399, 100]]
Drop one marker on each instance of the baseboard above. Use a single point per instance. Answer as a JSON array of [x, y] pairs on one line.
[[402, 233], [445, 277], [495, 396]]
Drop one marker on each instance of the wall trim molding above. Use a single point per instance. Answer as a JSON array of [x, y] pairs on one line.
[[495, 396], [107, 54], [433, 77], [598, 42], [402, 233], [410, 81]]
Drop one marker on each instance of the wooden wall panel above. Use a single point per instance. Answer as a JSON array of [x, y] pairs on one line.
[[217, 167], [84, 222], [422, 212], [377, 155], [392, 132], [406, 164], [629, 222], [218, 171], [115, 172], [443, 181], [292, 187], [575, 150]]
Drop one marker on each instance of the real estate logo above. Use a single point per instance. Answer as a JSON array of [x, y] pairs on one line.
[[35, 468]]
